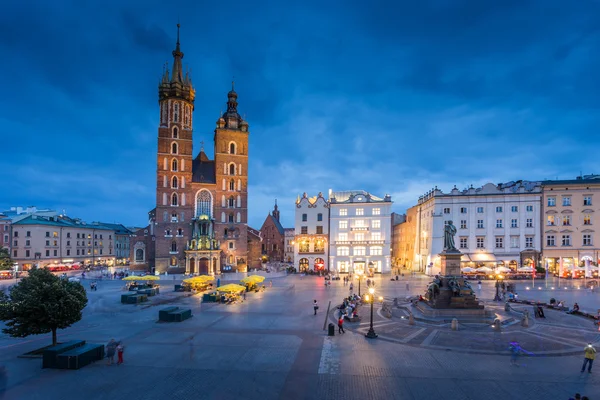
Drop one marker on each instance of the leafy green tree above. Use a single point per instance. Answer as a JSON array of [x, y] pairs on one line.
[[6, 262], [41, 303]]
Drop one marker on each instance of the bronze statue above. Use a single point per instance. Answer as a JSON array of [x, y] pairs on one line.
[[449, 232]]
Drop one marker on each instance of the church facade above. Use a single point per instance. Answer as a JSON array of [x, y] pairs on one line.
[[199, 224]]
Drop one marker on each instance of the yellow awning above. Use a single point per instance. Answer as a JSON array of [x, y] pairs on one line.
[[231, 288]]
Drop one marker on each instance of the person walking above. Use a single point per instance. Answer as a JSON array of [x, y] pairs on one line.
[[590, 355], [351, 287], [515, 352], [479, 285], [315, 306], [120, 349], [341, 324], [110, 351]]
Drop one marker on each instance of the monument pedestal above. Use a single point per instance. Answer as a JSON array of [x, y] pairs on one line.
[[450, 291]]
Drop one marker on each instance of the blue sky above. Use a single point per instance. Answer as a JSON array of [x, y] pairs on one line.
[[391, 97]]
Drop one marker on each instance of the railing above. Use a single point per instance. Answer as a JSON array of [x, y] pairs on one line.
[[319, 251], [359, 228], [361, 242]]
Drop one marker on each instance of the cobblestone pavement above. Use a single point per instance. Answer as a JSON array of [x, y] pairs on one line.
[[273, 347]]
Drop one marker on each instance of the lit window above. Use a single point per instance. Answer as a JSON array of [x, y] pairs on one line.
[[376, 224], [587, 219], [377, 211], [343, 211], [360, 251], [376, 251], [343, 251], [550, 220], [566, 220], [343, 224], [360, 211], [376, 236]]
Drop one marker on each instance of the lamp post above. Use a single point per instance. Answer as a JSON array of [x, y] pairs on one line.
[[371, 297], [498, 283], [359, 273]]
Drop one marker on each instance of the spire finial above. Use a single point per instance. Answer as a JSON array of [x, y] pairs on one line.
[[178, 26], [202, 145], [233, 83]]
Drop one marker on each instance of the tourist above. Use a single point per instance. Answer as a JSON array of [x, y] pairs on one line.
[[590, 355], [351, 287], [315, 306], [341, 325], [515, 350], [574, 309], [479, 285], [516, 296], [110, 351], [120, 349], [270, 284]]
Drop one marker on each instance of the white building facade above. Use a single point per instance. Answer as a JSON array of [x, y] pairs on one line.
[[360, 232], [311, 228], [289, 240], [497, 225]]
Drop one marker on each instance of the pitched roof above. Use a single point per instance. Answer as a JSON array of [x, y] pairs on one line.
[[118, 228], [203, 169], [59, 222], [277, 224]]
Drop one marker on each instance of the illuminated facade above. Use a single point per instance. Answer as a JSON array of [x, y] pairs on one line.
[[360, 232], [311, 234], [569, 224], [496, 225]]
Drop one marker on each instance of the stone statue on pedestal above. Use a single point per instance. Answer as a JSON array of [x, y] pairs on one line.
[[449, 232]]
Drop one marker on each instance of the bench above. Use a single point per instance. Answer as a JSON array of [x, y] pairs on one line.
[[50, 355], [179, 315], [80, 356], [136, 298], [163, 315], [148, 292], [209, 298]]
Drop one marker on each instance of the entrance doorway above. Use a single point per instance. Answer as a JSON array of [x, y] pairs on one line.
[[192, 265], [304, 265], [203, 265]]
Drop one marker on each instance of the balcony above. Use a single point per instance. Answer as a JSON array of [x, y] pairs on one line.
[[316, 251], [359, 228]]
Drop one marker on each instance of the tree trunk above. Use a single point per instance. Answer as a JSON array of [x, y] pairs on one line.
[[53, 336]]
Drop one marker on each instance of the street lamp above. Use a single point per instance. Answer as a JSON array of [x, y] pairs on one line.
[[371, 334], [498, 283], [359, 273]]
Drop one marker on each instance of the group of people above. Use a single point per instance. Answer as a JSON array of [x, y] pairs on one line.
[[93, 286], [349, 305], [113, 347]]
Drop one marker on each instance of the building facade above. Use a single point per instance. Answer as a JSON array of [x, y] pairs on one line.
[[5, 231], [360, 232], [289, 235], [39, 241], [497, 225], [255, 260], [570, 217], [273, 237], [311, 241], [122, 238], [200, 219], [403, 241]]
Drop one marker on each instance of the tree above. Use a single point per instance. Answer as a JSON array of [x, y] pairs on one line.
[[6, 263], [41, 303]]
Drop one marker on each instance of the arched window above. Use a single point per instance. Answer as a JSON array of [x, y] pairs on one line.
[[173, 247], [174, 199], [232, 169], [174, 148], [239, 217], [179, 232], [176, 112], [174, 183], [204, 203], [174, 165], [139, 255], [175, 133], [239, 201], [232, 185], [230, 259], [168, 232], [231, 202], [231, 217], [232, 148]]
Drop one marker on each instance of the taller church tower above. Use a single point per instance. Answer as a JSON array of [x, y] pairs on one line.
[[174, 198]]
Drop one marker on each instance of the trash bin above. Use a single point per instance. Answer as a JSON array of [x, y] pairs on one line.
[[331, 330]]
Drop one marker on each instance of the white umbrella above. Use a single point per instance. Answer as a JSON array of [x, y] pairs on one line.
[[484, 269], [468, 269], [502, 269]]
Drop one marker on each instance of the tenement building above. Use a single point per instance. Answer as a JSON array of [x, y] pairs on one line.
[[571, 217], [360, 232], [497, 225], [289, 235], [200, 219], [39, 241], [312, 231]]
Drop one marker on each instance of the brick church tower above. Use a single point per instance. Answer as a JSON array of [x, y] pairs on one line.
[[174, 201], [200, 221]]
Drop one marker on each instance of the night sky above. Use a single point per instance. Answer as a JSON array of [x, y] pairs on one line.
[[391, 97]]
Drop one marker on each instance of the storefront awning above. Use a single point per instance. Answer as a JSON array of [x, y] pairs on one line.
[[483, 257], [465, 258]]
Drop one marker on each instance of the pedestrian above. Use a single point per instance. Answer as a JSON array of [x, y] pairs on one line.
[[479, 285], [120, 349], [315, 306], [341, 324], [110, 351], [515, 351], [351, 287], [590, 355], [244, 295], [407, 287], [270, 284]]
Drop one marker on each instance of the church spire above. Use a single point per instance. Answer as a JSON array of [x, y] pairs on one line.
[[177, 56], [276, 211]]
